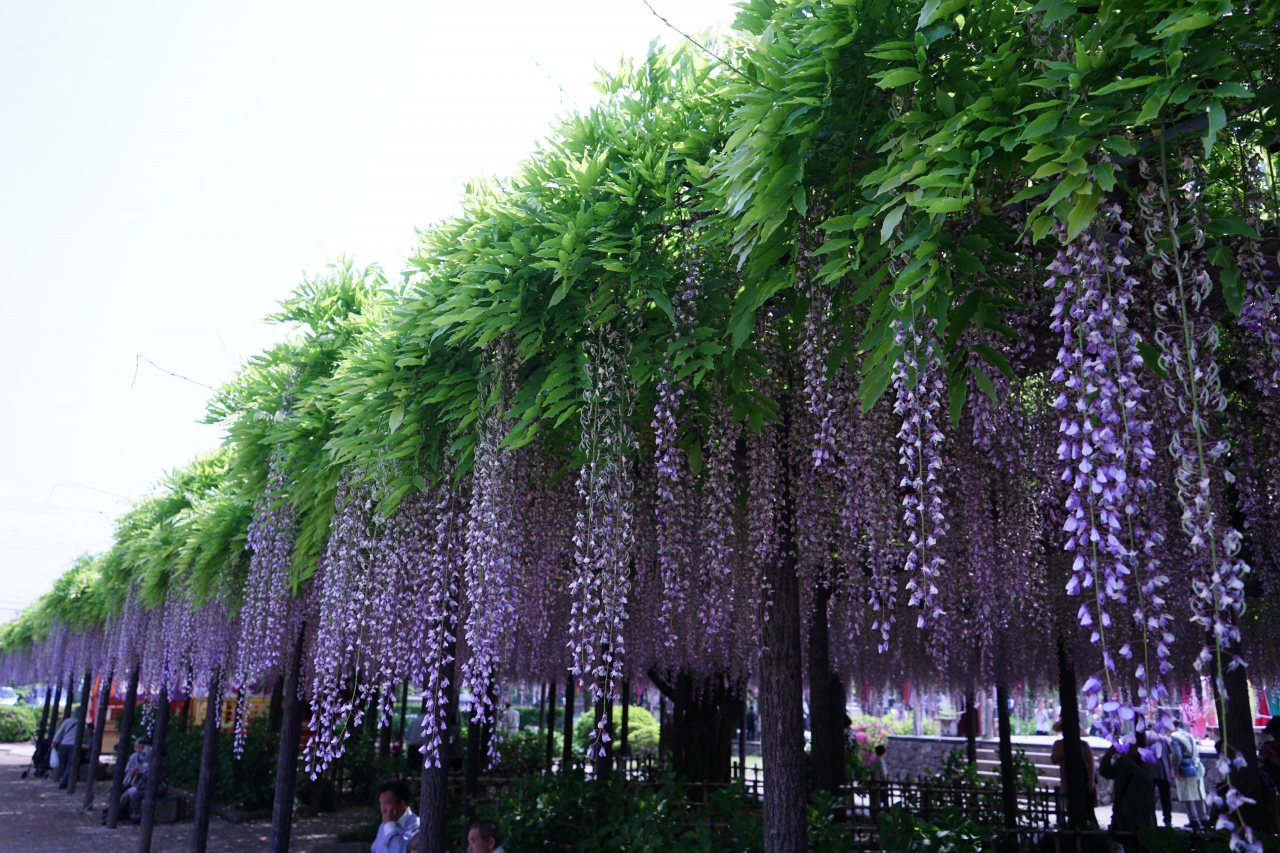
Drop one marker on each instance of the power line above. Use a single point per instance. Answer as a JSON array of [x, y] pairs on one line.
[[141, 357]]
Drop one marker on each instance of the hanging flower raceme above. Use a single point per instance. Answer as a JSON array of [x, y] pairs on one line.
[[717, 518], [919, 383], [343, 586], [1107, 453], [604, 534], [265, 612], [429, 537], [1188, 342], [674, 505], [493, 538]]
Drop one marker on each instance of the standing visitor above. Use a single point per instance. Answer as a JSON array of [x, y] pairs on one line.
[[511, 720], [1058, 755], [1134, 803], [1162, 775], [1189, 776], [751, 723], [1043, 721], [879, 778], [399, 823], [66, 730]]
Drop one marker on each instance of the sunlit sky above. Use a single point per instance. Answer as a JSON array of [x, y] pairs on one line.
[[168, 171]]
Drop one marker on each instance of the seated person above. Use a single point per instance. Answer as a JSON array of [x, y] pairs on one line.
[[484, 837], [399, 823], [135, 780]]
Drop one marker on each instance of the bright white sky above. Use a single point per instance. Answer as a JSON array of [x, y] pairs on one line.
[[170, 170]]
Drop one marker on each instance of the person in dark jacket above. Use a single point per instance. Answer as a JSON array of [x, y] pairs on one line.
[[1134, 801]]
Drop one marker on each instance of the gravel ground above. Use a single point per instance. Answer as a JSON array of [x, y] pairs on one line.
[[36, 817]]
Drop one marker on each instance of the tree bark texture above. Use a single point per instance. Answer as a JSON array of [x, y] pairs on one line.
[[82, 716], [207, 778], [1008, 785], [699, 734], [95, 749], [42, 751], [287, 758], [155, 773], [551, 724], [1237, 718], [825, 719], [123, 748], [1078, 807], [782, 730], [971, 728], [275, 715], [472, 777]]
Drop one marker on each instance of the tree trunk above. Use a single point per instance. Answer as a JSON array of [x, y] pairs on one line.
[[404, 719], [551, 724], [917, 715], [207, 779], [287, 758], [472, 777], [42, 751], [82, 715], [542, 705], [155, 774], [699, 734], [95, 750], [123, 749], [55, 719], [782, 732], [275, 715], [1236, 718], [826, 756], [570, 694], [1008, 785], [970, 728], [1078, 806], [71, 688]]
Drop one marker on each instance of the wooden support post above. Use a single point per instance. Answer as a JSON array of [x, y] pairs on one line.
[[287, 758], [155, 773], [82, 715], [123, 749], [95, 750], [207, 779], [551, 725]]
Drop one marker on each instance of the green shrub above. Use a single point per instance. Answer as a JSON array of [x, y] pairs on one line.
[[18, 723], [565, 812], [901, 832], [642, 730], [247, 781]]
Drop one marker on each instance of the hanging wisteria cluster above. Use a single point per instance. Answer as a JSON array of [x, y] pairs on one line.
[[493, 537], [604, 533], [919, 386]]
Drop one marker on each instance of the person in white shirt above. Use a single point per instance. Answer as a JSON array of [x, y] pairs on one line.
[[484, 837], [399, 823], [511, 720]]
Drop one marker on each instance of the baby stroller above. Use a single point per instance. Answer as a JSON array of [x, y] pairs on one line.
[[40, 760]]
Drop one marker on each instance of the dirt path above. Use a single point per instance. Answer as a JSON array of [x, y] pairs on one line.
[[36, 817]]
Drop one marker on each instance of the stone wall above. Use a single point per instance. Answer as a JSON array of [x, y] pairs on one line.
[[907, 755]]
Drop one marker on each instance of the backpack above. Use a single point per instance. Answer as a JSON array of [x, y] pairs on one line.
[[1186, 763]]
